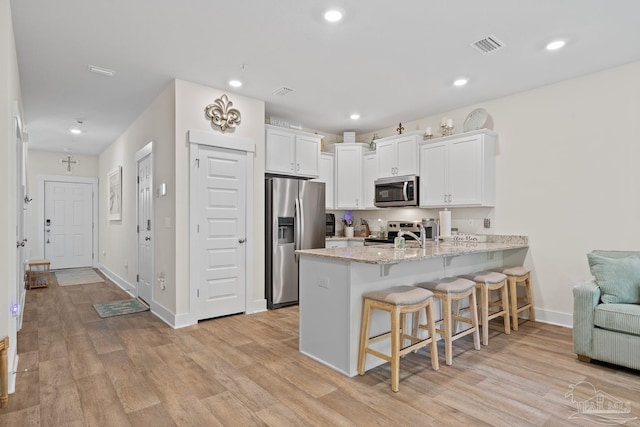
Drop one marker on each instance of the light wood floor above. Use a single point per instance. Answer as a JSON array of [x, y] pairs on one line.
[[77, 369]]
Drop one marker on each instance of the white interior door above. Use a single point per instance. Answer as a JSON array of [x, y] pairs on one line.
[[68, 230], [145, 230], [21, 211], [222, 192]]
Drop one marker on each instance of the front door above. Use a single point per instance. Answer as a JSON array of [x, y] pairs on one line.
[[145, 269], [68, 228], [221, 192]]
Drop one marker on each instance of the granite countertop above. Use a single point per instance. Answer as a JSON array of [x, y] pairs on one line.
[[387, 254]]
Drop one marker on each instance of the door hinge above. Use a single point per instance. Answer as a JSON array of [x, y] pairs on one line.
[[198, 227], [198, 163], [138, 179], [137, 228], [137, 277], [198, 293]]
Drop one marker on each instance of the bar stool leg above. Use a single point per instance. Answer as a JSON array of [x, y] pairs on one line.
[[448, 347], [484, 312], [435, 364], [505, 307], [473, 311], [395, 348], [513, 294], [364, 335], [527, 284]]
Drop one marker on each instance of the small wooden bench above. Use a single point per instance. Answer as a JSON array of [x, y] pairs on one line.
[[39, 274]]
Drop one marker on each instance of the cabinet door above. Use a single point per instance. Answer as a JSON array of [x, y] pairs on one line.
[[348, 178], [433, 175], [280, 152], [387, 163], [465, 171], [325, 174], [307, 150], [407, 156], [370, 173]]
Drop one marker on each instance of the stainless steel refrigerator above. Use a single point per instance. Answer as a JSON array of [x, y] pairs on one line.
[[295, 219]]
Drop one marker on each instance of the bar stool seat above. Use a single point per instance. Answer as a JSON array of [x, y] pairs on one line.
[[517, 275], [398, 301], [486, 282], [449, 290]]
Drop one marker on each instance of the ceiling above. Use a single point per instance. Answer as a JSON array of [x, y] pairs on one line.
[[387, 61]]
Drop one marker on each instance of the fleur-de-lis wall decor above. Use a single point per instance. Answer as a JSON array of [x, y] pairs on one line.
[[222, 115]]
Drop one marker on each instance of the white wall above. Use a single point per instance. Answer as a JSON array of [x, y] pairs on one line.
[[191, 99], [118, 239], [48, 163], [9, 93], [567, 176]]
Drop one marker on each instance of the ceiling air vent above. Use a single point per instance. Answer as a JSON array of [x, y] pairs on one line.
[[282, 91], [488, 44]]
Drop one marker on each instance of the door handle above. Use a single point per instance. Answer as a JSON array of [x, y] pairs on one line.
[[242, 240], [147, 238]]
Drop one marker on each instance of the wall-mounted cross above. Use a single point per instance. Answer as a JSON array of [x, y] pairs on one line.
[[68, 162]]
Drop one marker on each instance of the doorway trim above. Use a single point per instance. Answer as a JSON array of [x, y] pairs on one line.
[[210, 139], [70, 179], [147, 150]]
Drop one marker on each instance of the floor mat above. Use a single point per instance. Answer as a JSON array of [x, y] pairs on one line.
[[77, 276], [118, 308]]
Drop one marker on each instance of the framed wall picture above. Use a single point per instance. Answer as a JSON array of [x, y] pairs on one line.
[[114, 181]]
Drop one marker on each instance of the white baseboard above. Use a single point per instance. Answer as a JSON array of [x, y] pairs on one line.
[[122, 283], [554, 317], [256, 306], [11, 386]]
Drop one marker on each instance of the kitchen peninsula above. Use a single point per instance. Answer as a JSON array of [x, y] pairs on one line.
[[333, 280]]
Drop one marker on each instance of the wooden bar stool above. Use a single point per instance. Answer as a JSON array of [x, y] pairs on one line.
[[486, 282], [397, 301], [517, 275], [449, 290]]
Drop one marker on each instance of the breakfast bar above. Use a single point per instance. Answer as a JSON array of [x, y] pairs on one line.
[[333, 280]]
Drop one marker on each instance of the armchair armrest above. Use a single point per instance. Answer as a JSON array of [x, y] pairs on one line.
[[586, 297]]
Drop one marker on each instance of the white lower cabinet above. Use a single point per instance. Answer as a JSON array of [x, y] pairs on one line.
[[343, 243], [458, 170]]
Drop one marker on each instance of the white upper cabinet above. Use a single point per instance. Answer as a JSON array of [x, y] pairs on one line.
[[398, 155], [293, 153], [326, 172], [458, 170], [369, 175], [349, 176]]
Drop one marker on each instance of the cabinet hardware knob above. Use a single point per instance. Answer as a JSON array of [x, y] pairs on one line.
[[242, 240]]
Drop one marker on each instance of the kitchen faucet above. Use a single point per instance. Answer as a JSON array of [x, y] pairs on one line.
[[422, 239]]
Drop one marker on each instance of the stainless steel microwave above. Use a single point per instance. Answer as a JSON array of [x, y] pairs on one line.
[[396, 191]]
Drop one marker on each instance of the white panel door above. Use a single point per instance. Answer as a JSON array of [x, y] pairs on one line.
[[68, 227], [221, 234], [145, 269]]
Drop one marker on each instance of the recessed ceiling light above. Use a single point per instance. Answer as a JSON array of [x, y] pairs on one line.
[[235, 83], [554, 45], [75, 131], [101, 71], [333, 15], [354, 116], [460, 82]]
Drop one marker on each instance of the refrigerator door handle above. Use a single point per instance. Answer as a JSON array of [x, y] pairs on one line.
[[298, 227]]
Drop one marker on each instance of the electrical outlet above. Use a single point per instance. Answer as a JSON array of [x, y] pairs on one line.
[[323, 282], [487, 223]]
